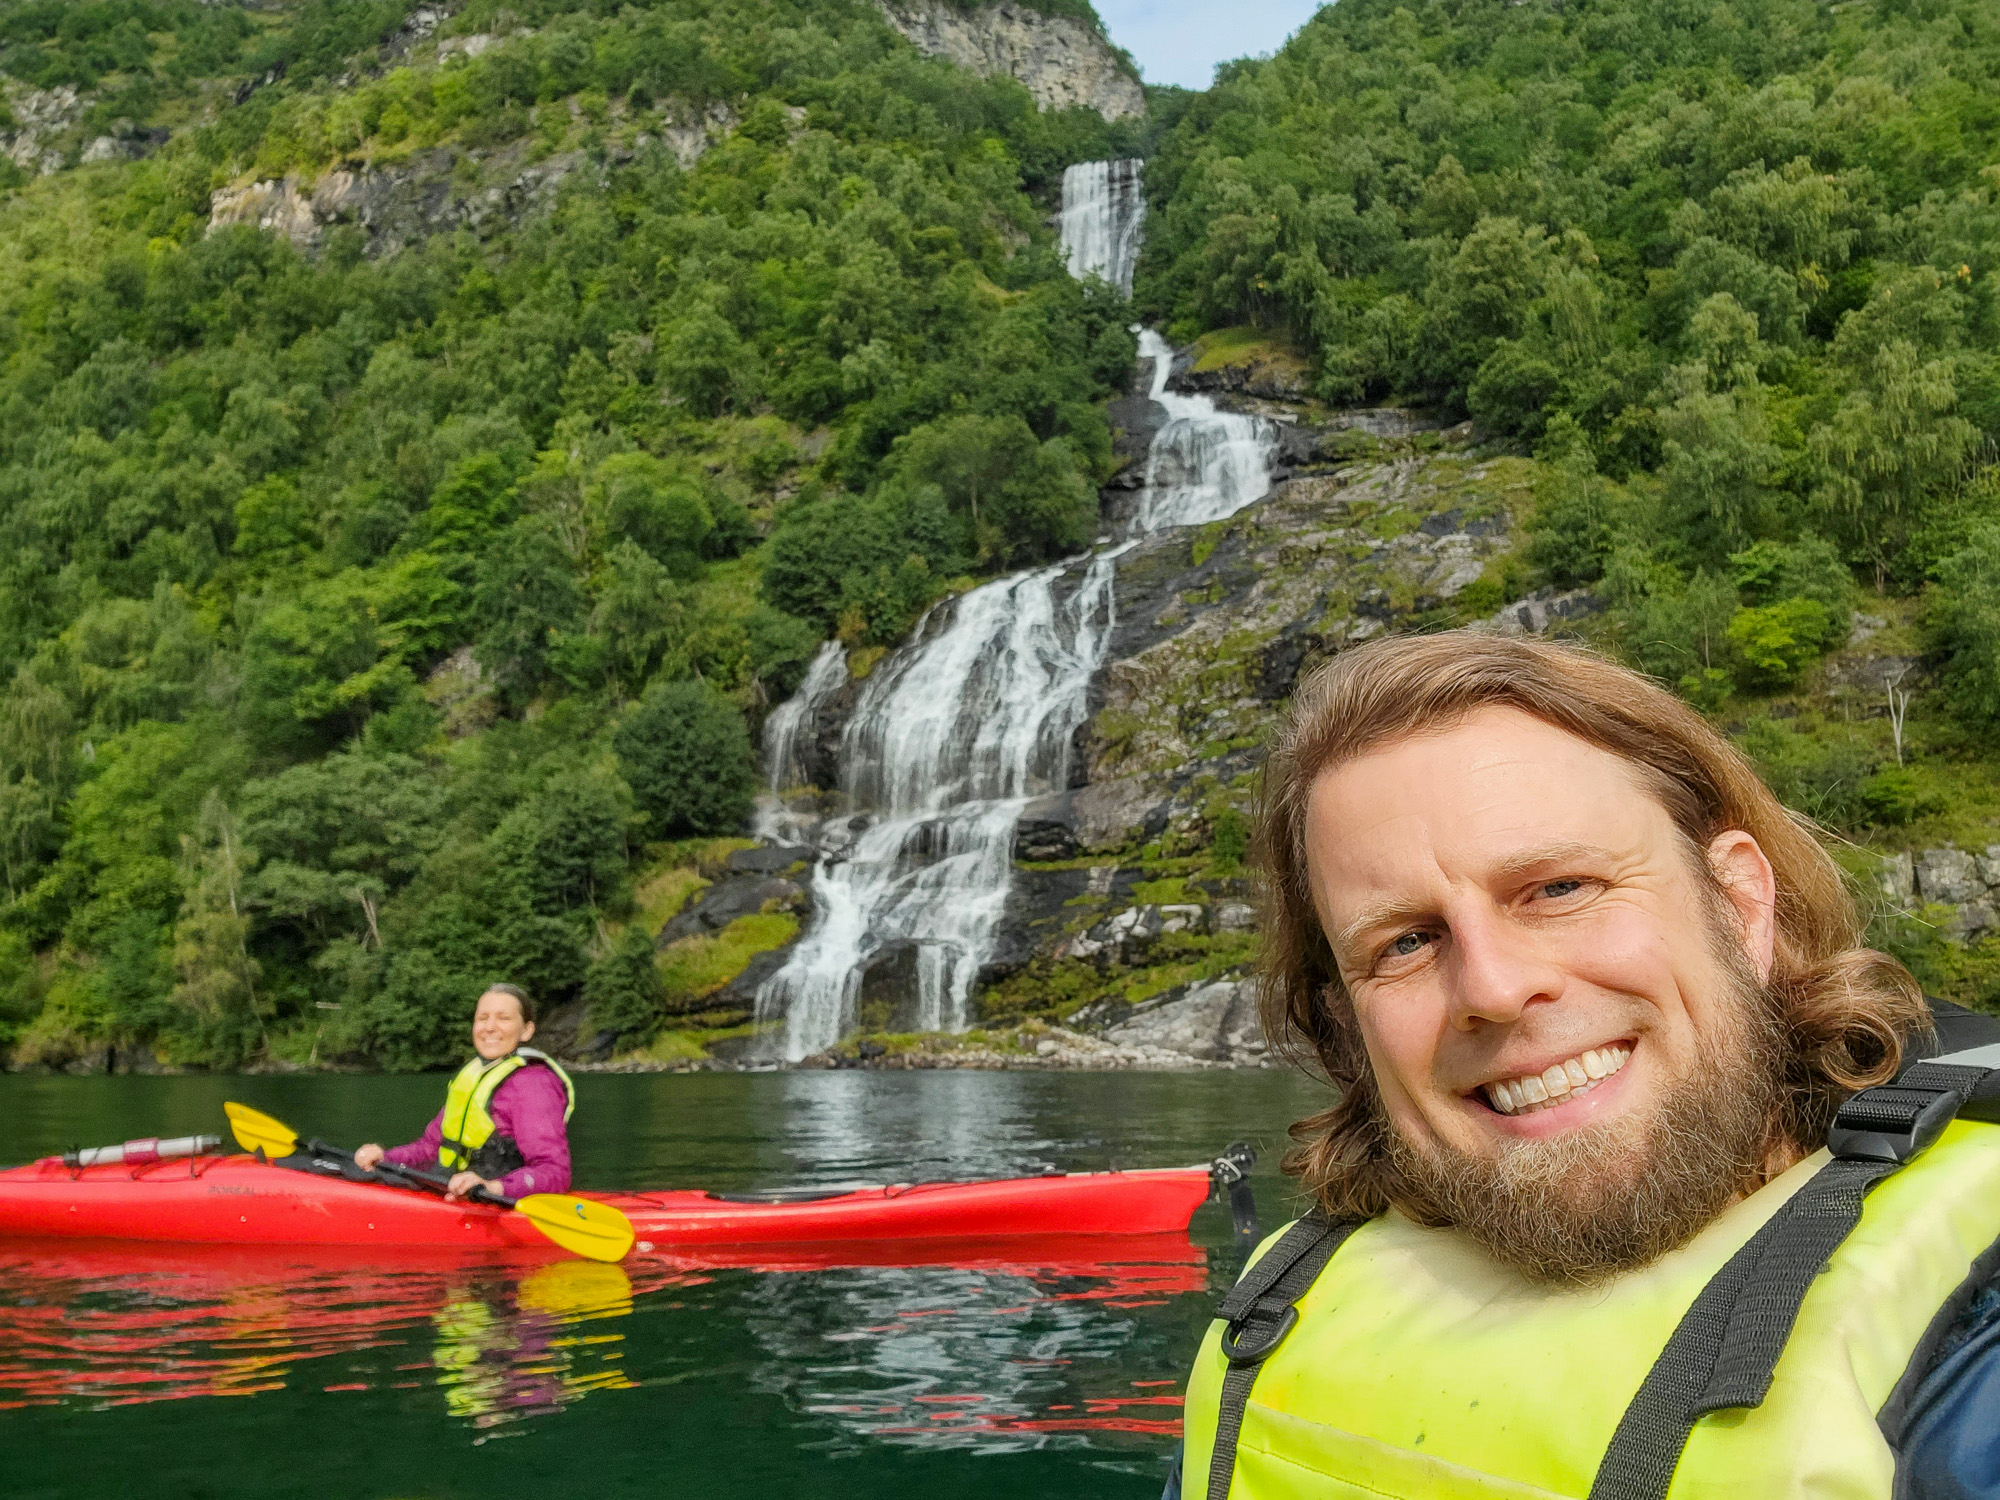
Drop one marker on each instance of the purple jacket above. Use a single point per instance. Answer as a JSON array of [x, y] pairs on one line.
[[528, 1106]]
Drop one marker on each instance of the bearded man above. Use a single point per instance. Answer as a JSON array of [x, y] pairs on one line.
[[1595, 1008]]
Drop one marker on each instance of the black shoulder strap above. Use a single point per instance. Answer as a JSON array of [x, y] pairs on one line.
[[1259, 1312], [1955, 1029], [1726, 1348]]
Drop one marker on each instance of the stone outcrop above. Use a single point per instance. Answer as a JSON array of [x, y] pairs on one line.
[[1062, 61], [1542, 612], [40, 117], [722, 903], [1214, 1022], [1966, 881], [432, 192]]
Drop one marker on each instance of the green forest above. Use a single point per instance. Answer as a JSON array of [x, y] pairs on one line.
[[1731, 271], [374, 624], [364, 621]]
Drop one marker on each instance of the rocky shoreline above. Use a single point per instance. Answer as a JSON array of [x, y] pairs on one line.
[[1196, 1028]]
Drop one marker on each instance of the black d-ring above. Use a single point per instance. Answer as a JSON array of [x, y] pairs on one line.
[[1252, 1351]]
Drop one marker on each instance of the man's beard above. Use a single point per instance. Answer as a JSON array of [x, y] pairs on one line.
[[1612, 1196]]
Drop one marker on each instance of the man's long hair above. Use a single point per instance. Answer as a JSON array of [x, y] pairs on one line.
[[1846, 1009]]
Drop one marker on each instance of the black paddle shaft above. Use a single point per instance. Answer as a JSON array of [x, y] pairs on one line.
[[434, 1182]]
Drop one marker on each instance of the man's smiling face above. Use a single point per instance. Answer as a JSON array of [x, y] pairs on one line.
[[1536, 963]]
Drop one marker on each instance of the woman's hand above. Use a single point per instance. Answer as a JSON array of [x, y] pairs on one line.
[[366, 1156], [462, 1184]]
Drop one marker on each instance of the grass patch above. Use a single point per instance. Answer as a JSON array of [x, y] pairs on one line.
[[700, 965], [691, 1044], [1245, 345], [661, 895]]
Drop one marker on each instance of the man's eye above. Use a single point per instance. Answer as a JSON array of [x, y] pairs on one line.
[[1560, 888], [1408, 943]]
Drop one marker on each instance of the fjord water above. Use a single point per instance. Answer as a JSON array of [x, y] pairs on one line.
[[994, 1373], [951, 736]]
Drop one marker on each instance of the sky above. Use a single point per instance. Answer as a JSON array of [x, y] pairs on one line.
[[1181, 41]]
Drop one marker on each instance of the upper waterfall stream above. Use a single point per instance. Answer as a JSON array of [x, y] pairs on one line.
[[950, 736]]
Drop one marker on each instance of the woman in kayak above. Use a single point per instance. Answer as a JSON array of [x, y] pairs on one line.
[[504, 1125]]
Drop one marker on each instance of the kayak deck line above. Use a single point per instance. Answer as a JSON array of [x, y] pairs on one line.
[[244, 1200]]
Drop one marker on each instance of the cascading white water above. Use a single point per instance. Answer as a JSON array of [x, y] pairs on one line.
[[954, 733], [782, 762], [1103, 219], [949, 740], [1204, 464]]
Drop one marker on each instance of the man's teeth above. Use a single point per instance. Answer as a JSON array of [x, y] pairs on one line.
[[1558, 1084]]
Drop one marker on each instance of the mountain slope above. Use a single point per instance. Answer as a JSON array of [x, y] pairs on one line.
[[377, 585]]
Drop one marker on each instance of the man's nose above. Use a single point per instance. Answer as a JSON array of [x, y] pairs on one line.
[[1498, 969]]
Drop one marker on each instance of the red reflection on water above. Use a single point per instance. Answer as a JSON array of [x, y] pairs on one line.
[[117, 1322], [114, 1323]]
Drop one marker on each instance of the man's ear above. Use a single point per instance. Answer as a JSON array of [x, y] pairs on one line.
[[528, 1031], [1752, 892]]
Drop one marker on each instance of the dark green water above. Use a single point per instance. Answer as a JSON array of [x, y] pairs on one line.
[[163, 1373]]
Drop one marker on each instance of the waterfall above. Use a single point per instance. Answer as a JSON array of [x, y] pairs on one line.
[[1103, 219], [949, 739], [951, 735], [1204, 464], [783, 765]]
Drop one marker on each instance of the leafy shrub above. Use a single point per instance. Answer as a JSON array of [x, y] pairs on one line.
[[1229, 837], [1962, 623], [1778, 642], [1896, 795], [624, 988], [1820, 774], [686, 755], [1571, 533]]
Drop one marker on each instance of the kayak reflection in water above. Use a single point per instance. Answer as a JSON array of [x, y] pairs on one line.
[[505, 1121], [498, 1364]]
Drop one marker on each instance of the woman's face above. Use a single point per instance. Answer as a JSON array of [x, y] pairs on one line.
[[497, 1026]]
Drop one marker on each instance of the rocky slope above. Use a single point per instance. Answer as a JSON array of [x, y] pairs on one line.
[[1130, 926], [1063, 62]]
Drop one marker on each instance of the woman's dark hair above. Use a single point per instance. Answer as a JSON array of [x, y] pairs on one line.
[[520, 998]]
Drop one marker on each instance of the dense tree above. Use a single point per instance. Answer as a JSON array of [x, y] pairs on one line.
[[688, 760], [1729, 267]]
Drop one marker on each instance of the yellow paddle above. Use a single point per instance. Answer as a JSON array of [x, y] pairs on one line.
[[581, 1225]]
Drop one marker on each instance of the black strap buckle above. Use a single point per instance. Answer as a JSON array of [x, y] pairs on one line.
[[1892, 1123], [1251, 1343]]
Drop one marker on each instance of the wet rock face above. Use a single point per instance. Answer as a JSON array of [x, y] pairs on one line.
[[1108, 815], [1063, 62], [890, 989], [1217, 624], [715, 907]]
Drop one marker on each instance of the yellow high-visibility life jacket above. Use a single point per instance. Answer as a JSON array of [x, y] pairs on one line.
[[1420, 1366], [467, 1125]]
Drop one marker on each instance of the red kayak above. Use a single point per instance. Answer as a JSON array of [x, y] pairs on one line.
[[241, 1200]]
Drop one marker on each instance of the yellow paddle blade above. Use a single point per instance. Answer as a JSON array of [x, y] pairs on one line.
[[257, 1131], [594, 1230]]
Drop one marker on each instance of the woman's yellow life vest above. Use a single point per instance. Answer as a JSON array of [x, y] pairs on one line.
[[1420, 1366], [467, 1125]]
